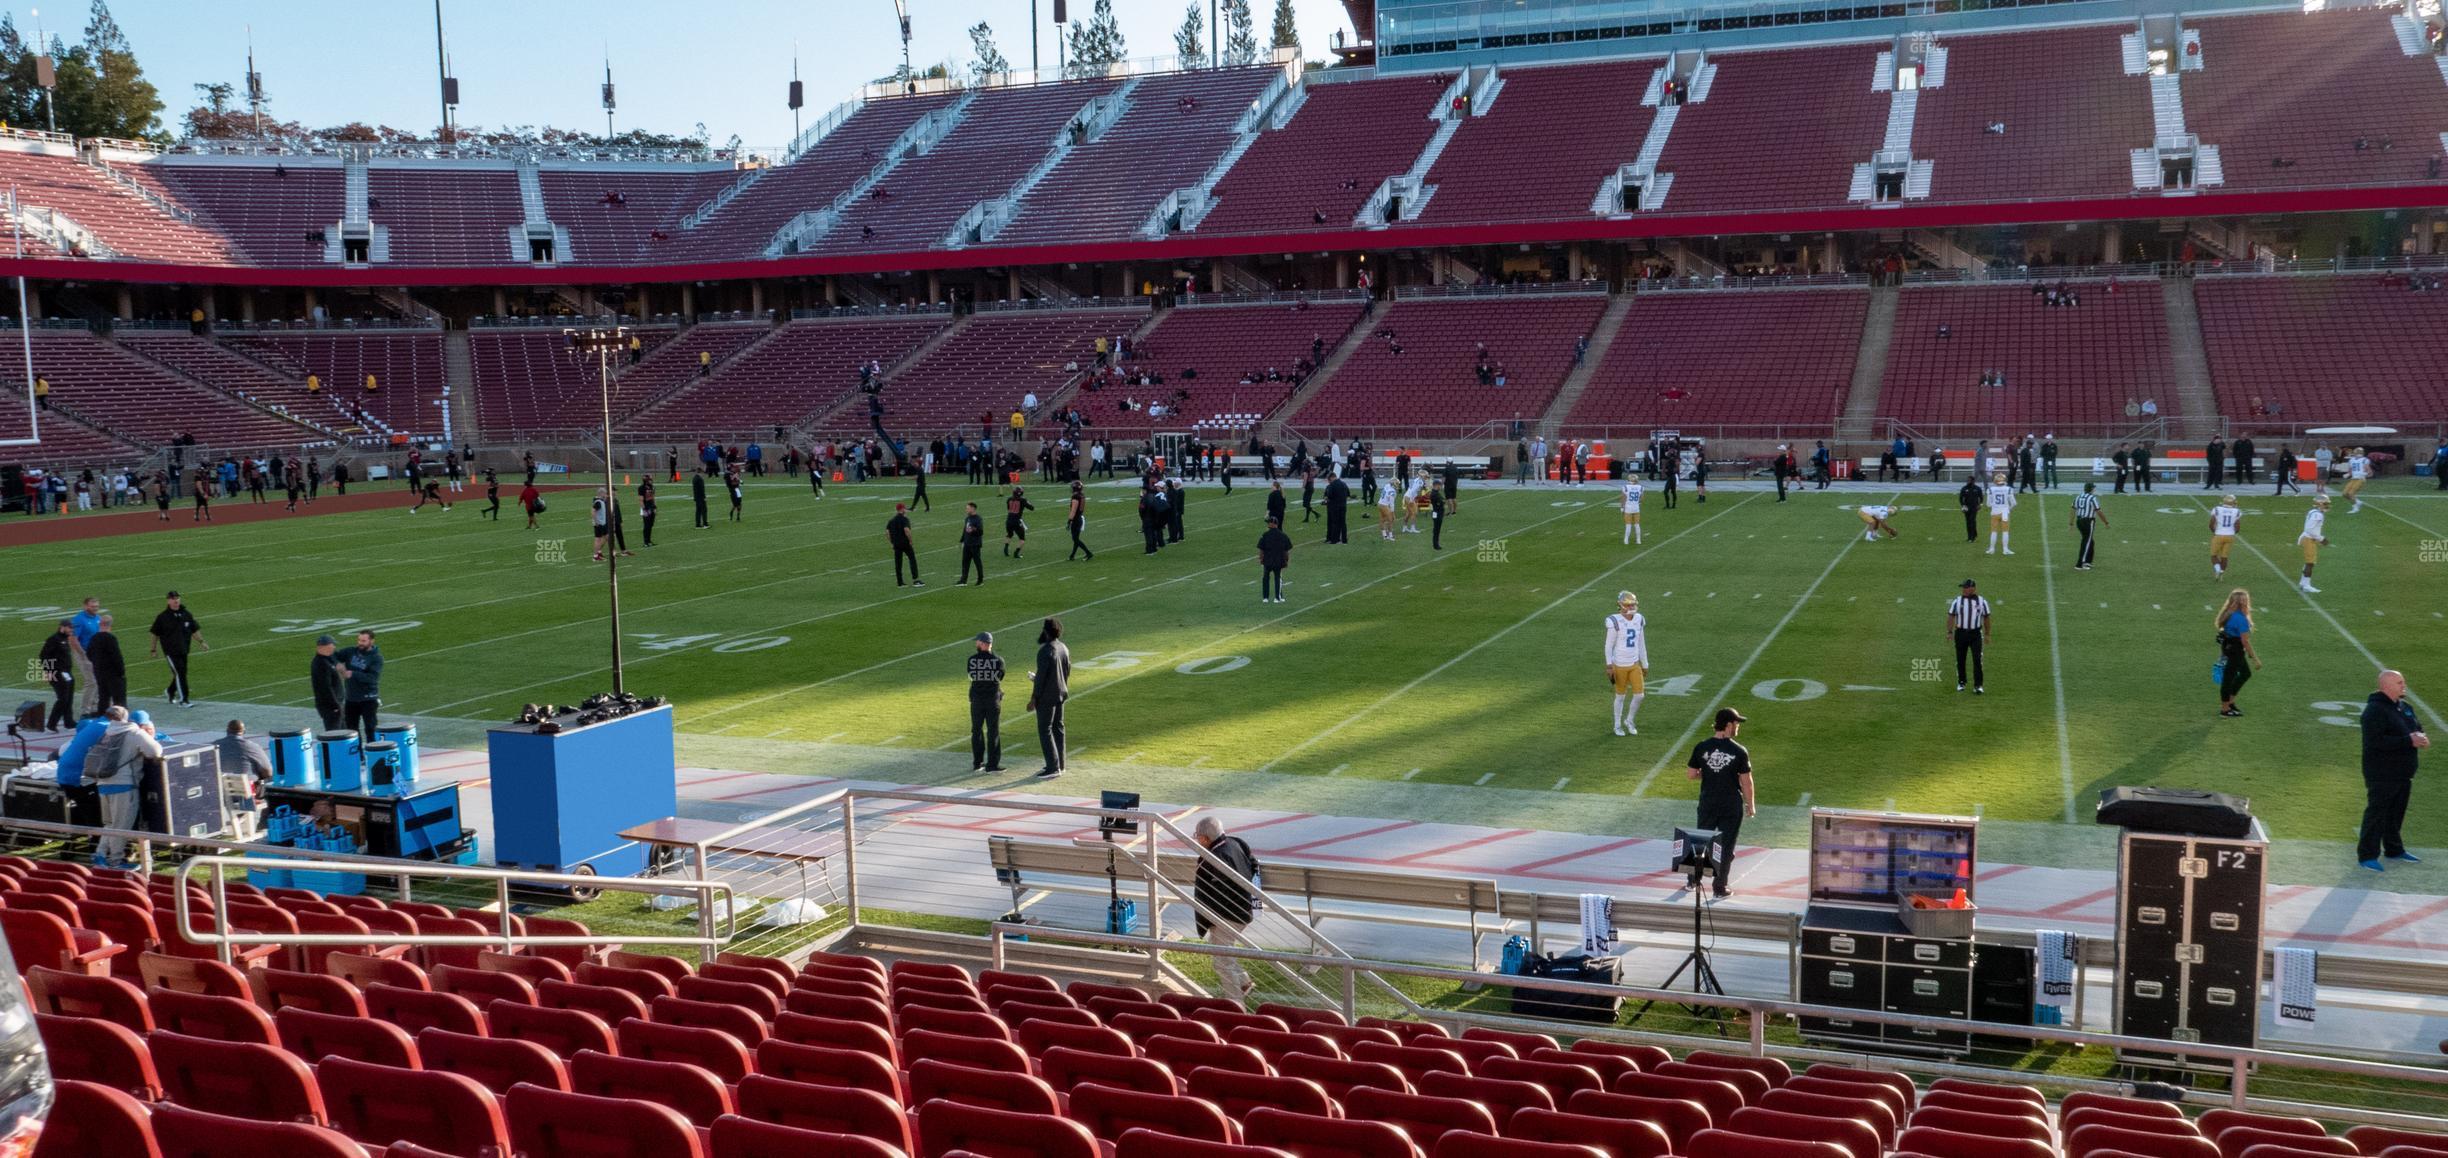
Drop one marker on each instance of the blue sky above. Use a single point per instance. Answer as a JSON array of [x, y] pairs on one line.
[[724, 63]]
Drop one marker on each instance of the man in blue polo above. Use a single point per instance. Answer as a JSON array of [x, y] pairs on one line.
[[85, 623]]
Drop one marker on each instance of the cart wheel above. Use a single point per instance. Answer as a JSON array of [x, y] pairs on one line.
[[584, 893]]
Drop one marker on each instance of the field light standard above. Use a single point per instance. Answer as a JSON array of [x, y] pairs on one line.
[[600, 342]]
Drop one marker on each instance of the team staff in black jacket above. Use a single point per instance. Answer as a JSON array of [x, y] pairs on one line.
[[2392, 741], [329, 678], [985, 700], [175, 632], [973, 546]]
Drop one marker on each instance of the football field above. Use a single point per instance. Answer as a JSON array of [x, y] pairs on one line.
[[1392, 666]]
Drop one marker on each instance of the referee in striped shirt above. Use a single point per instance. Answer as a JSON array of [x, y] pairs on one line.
[[2086, 513], [1968, 624]]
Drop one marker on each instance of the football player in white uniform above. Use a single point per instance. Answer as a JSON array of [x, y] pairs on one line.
[[2224, 519], [2315, 536], [1386, 497], [1411, 502], [2001, 509], [1627, 660], [1631, 510], [1874, 520], [2358, 472]]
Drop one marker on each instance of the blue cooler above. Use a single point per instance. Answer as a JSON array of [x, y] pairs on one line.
[[293, 758], [404, 736], [329, 881], [382, 769], [342, 759]]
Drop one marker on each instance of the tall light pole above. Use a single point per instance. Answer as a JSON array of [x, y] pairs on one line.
[[600, 342]]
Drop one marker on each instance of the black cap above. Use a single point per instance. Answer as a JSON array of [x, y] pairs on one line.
[[1730, 716], [172, 595], [1966, 583]]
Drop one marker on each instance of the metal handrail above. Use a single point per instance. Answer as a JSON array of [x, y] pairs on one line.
[[2239, 1060], [707, 892]]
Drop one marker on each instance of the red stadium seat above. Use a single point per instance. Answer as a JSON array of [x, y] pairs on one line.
[[320, 992], [1647, 1057], [1347, 1036], [2235, 1140], [837, 1033], [315, 1036], [1037, 1036], [840, 1006], [1190, 1003], [1868, 1111], [1991, 1090], [127, 924], [89, 1119], [737, 1137], [945, 1127], [2279, 1150], [1856, 1136], [818, 1065], [1464, 1144], [563, 1031], [570, 955], [2023, 1126], [1774, 1070], [1561, 1079], [1150, 1144], [820, 978], [2218, 1121], [1937, 1143], [1017, 1013], [1415, 1062], [1613, 1137], [261, 1082], [42, 939], [1143, 1028], [1311, 1136], [2087, 1140], [945, 998], [984, 1053], [87, 1049], [957, 1022], [697, 1095], [552, 1124], [1014, 1090], [1752, 1085], [669, 967], [219, 1018], [1475, 1050], [417, 1009], [1298, 1016], [1896, 1107], [361, 970], [1730, 1144], [1522, 1043], [937, 970], [534, 969], [1720, 1098], [2380, 1139], [1109, 1111], [183, 1132], [2151, 1107], [482, 987], [867, 965], [1274, 1044], [1500, 1096], [711, 1050], [379, 1105], [646, 984], [67, 994], [731, 1019], [194, 975], [1239, 1093], [1979, 1104], [1063, 1068], [990, 978], [1606, 1065], [754, 998], [1081, 991], [1403, 1030], [774, 980], [2069, 1121], [1422, 1117], [827, 1109], [496, 1063], [603, 1001], [1680, 1119], [1182, 1055], [1902, 1085], [1339, 1078]]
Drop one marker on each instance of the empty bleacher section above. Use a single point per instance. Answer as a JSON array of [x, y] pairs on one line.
[[128, 225], [2069, 112], [614, 214], [802, 369], [1174, 131], [1541, 151], [1006, 132], [1780, 129], [62, 442], [1724, 359], [1225, 344], [406, 365], [743, 226], [2325, 349], [2074, 365], [135, 398], [269, 212], [1417, 368], [220, 367], [1345, 140], [673, 364], [457, 216], [987, 367], [2316, 98], [528, 381]]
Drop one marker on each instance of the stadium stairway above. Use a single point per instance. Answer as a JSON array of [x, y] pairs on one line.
[[2197, 401], [1860, 418], [458, 382], [807, 427], [1271, 429], [678, 349], [1602, 339], [335, 431]]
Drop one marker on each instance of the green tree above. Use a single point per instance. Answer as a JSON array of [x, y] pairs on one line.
[[1287, 28], [1096, 43], [102, 91], [987, 59], [1240, 34], [20, 101], [1190, 43]]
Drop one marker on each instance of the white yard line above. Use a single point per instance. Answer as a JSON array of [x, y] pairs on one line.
[[2383, 509], [2065, 735], [2323, 612], [1476, 648], [1484, 778], [1683, 742]]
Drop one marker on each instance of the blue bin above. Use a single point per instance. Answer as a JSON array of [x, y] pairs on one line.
[[271, 878], [472, 855], [293, 759], [404, 736], [343, 760], [329, 881], [382, 769]]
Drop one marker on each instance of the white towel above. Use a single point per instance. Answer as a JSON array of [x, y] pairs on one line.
[[1598, 924], [2053, 977], [2296, 988]]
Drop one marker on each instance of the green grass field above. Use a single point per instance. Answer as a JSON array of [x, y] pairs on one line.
[[1477, 666]]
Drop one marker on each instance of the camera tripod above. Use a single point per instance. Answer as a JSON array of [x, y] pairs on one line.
[[1696, 962]]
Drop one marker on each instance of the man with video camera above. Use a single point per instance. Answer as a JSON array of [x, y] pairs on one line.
[[1723, 769]]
